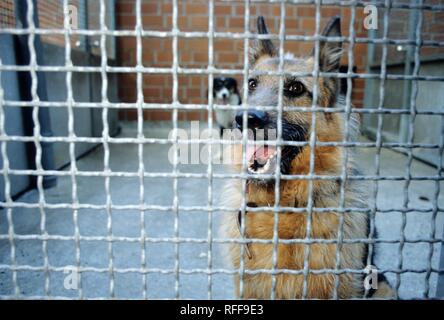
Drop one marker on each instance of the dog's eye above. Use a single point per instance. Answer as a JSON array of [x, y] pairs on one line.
[[252, 84], [294, 89]]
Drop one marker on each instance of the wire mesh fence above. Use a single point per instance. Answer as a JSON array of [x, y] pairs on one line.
[[15, 273]]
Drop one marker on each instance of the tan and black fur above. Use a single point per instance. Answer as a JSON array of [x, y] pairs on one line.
[[296, 126]]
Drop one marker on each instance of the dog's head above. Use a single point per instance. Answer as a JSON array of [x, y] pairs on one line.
[[297, 92], [223, 88]]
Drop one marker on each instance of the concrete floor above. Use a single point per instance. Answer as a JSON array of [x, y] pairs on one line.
[[158, 191]]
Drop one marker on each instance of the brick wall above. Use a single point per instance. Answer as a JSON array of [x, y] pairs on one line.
[[51, 17], [398, 28], [228, 53], [7, 18], [50, 14]]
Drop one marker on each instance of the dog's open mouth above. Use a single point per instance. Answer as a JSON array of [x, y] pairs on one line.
[[261, 159]]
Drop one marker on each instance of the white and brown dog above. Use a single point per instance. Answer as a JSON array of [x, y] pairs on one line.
[[225, 92]]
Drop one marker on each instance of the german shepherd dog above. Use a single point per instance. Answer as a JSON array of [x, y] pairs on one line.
[[295, 160]]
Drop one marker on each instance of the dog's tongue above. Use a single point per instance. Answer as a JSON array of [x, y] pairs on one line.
[[259, 153]]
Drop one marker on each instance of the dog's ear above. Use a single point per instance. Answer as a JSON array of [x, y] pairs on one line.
[[330, 52], [262, 46]]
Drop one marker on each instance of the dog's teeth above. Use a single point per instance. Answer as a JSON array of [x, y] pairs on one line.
[[267, 165], [266, 168]]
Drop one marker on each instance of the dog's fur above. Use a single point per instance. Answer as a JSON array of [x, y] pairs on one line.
[[296, 126]]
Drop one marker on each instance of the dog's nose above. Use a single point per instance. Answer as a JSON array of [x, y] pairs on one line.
[[224, 95], [256, 119]]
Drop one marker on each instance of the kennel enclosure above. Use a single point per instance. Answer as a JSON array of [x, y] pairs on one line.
[[91, 107]]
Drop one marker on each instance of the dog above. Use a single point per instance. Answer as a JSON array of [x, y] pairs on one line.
[[225, 92], [295, 160]]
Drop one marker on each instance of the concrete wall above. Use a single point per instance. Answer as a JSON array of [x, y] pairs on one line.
[[16, 151], [87, 122], [428, 128], [86, 87]]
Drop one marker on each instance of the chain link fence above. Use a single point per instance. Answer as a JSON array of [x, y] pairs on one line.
[[16, 273]]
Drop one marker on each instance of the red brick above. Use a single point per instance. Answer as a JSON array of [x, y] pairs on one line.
[[197, 81], [126, 21], [167, 94], [167, 7], [331, 12], [236, 22], [126, 42], [164, 56], [438, 37], [154, 80], [150, 8], [221, 23], [437, 27], [292, 23], [194, 115], [240, 11], [222, 10], [194, 93], [229, 57], [151, 91], [124, 8], [239, 47], [127, 78], [198, 23], [153, 22], [185, 57], [223, 45], [291, 10], [228, 53], [308, 25], [148, 57], [196, 8], [200, 57], [131, 115], [159, 115], [153, 43], [197, 44], [307, 11], [358, 95]]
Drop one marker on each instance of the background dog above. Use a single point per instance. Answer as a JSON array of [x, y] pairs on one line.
[[225, 92], [298, 126]]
